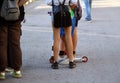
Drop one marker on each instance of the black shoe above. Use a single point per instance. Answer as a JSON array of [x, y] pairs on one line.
[[62, 54], [72, 65], [55, 65]]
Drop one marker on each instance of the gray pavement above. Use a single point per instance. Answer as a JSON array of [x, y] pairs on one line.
[[99, 40]]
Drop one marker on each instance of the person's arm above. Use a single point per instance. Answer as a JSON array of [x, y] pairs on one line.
[[73, 4], [22, 2]]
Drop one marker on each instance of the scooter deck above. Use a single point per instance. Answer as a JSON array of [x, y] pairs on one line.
[[65, 60]]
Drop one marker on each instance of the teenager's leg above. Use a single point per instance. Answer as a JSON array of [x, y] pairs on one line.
[[75, 39], [74, 33], [69, 44], [56, 32], [62, 41]]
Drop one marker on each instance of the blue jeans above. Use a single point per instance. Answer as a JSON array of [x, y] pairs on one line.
[[88, 9]]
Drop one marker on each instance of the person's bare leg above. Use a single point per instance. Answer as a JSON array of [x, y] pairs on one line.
[[56, 32], [75, 40], [69, 44]]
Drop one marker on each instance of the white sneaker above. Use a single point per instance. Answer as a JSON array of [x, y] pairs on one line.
[[17, 74], [2, 75]]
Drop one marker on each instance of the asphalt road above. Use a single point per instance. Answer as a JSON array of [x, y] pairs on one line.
[[99, 40]]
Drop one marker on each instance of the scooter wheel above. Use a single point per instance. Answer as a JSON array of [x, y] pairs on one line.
[[51, 59], [84, 59]]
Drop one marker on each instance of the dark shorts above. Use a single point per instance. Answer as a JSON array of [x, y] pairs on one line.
[[62, 19]]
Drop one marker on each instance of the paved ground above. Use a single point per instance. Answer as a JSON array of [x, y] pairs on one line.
[[99, 40]]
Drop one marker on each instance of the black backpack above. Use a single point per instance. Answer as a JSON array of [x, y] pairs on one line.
[[78, 11], [22, 13]]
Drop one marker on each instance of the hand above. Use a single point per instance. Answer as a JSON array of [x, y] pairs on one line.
[[73, 6], [22, 2]]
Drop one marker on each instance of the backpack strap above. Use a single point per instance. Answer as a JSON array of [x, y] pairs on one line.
[[59, 2], [62, 3]]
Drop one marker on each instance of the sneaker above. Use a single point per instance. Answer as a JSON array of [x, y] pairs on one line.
[[74, 54], [8, 70], [72, 65], [55, 65], [62, 54], [2, 75], [17, 74], [88, 19]]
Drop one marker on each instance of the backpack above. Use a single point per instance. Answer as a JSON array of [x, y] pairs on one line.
[[10, 10], [22, 13], [78, 11], [61, 15]]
